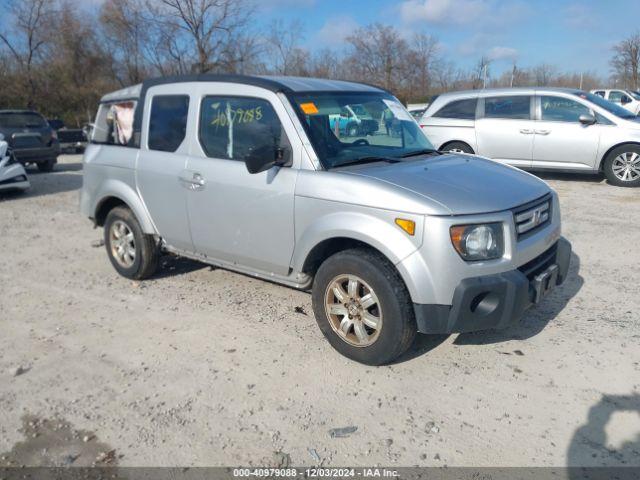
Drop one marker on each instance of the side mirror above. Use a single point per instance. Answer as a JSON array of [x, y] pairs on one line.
[[264, 157], [625, 100], [587, 119]]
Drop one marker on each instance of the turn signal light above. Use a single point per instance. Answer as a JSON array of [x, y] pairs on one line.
[[408, 226]]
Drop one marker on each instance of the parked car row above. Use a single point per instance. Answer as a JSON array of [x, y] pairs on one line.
[[539, 128]]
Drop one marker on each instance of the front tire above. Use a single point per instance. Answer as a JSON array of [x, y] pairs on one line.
[[132, 253], [622, 166], [457, 147], [362, 307]]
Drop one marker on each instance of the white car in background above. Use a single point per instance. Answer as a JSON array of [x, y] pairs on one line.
[[539, 128], [628, 99], [12, 174]]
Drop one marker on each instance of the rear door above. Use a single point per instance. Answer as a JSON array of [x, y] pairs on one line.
[[162, 161], [560, 140], [505, 127]]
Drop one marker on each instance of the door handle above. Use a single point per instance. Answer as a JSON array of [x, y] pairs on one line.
[[526, 131], [198, 180], [192, 180], [543, 132]]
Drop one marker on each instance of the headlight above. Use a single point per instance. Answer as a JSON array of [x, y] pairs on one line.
[[478, 242]]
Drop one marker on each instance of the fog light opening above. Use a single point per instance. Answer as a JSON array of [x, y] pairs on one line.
[[485, 303]]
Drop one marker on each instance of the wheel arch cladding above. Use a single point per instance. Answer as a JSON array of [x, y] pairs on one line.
[[117, 194]]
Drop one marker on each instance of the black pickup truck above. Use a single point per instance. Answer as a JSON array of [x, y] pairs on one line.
[[30, 137], [71, 139]]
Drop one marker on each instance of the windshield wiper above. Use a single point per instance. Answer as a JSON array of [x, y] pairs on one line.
[[370, 159], [425, 151]]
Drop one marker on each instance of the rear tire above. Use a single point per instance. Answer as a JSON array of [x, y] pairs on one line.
[[622, 166], [47, 165], [457, 147], [348, 316], [132, 253]]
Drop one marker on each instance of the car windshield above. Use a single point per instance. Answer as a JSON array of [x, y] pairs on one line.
[[634, 94], [21, 120], [610, 107], [347, 128]]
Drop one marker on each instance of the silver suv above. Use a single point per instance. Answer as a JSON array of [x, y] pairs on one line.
[[540, 128], [391, 236]]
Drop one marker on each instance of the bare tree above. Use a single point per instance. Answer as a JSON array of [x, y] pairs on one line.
[[626, 62], [544, 74], [27, 37], [377, 54], [243, 54], [481, 73], [283, 41], [127, 34], [421, 60], [207, 26]]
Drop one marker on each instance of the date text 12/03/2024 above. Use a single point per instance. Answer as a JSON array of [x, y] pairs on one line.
[[316, 472]]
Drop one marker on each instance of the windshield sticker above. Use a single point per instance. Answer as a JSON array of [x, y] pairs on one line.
[[398, 110], [309, 108]]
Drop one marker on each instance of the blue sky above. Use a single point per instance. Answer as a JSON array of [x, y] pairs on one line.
[[573, 35]]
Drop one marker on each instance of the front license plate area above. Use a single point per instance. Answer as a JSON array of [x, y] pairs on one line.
[[544, 282]]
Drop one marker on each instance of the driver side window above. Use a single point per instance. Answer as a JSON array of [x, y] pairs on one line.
[[559, 109], [232, 127]]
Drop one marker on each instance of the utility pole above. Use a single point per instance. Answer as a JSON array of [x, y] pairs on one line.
[[484, 76], [581, 78], [513, 73]]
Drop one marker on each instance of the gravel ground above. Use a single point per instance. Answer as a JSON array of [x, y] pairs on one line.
[[201, 366]]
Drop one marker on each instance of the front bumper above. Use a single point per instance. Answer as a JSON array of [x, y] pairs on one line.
[[498, 300], [13, 177]]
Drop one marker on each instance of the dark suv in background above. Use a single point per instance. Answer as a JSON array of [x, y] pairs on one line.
[[30, 137]]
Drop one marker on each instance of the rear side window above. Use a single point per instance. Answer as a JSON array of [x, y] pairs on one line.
[[168, 122], [231, 127], [114, 123], [21, 120], [462, 109], [509, 107]]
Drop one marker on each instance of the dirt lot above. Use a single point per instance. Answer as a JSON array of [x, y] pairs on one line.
[[206, 367]]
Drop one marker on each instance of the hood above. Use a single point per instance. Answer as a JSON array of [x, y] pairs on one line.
[[461, 184]]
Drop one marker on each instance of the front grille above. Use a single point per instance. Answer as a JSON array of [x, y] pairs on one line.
[[533, 216], [540, 263]]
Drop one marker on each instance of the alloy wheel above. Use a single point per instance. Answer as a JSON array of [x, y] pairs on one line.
[[353, 310], [626, 166], [122, 243]]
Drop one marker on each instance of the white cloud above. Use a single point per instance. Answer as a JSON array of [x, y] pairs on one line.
[[442, 11], [502, 53], [335, 30], [478, 14]]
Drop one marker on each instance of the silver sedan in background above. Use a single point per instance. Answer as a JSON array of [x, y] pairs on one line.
[[539, 128]]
